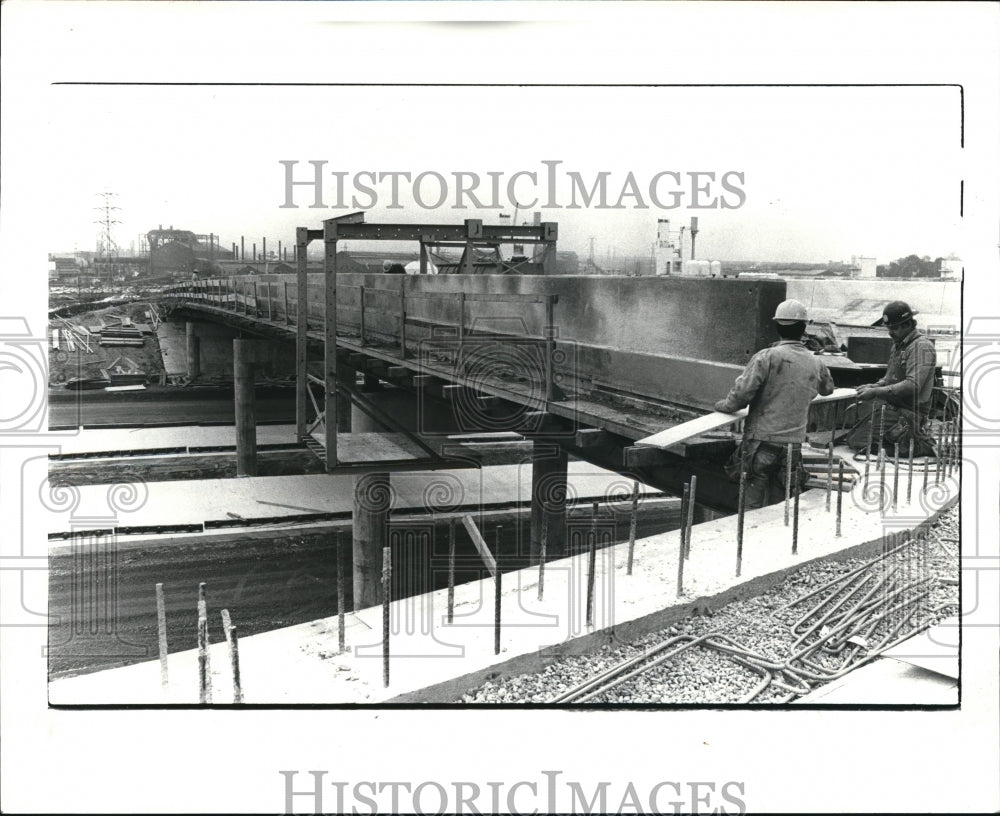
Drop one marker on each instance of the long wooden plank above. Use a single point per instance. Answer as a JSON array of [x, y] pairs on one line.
[[709, 422], [480, 543]]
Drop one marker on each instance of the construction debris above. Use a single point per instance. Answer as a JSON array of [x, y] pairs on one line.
[[75, 348]]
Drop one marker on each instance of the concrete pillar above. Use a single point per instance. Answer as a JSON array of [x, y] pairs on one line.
[[372, 502], [548, 498], [344, 412], [246, 419], [406, 409], [193, 352], [362, 423]]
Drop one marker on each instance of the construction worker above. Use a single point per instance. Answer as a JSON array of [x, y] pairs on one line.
[[390, 268], [778, 384], [907, 388]]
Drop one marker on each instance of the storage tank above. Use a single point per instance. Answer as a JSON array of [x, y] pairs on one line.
[[716, 269], [696, 269]]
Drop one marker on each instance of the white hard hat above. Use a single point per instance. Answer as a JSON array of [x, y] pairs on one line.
[[386, 264], [790, 311]]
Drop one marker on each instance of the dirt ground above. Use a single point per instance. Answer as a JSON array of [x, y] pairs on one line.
[[65, 364]]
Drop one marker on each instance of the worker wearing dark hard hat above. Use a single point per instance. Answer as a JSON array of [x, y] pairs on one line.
[[907, 387], [777, 384]]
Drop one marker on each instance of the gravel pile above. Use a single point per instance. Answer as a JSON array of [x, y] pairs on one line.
[[761, 624]]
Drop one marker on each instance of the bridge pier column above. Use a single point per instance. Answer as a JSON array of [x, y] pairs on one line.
[[370, 520], [193, 351], [360, 421], [344, 412], [246, 419], [549, 466]]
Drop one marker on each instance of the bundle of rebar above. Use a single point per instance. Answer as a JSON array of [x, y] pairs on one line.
[[847, 622]]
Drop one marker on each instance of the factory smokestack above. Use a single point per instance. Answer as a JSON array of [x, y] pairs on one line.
[[694, 233]]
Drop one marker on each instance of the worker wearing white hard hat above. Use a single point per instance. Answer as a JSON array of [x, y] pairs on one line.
[[777, 385], [790, 311]]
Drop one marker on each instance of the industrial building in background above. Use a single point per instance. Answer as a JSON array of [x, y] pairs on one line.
[[674, 252]]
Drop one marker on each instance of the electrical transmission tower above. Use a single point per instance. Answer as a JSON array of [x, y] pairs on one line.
[[107, 249], [591, 266]]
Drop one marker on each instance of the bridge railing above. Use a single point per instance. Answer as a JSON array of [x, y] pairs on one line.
[[654, 338], [390, 309], [402, 314]]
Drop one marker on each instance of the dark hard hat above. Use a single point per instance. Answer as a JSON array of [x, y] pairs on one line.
[[896, 312]]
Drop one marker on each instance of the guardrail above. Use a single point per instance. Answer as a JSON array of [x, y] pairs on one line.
[[269, 299], [644, 337]]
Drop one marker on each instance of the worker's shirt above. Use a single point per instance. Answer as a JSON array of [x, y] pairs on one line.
[[778, 384], [909, 377]]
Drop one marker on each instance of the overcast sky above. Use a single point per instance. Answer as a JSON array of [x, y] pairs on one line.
[[827, 172]]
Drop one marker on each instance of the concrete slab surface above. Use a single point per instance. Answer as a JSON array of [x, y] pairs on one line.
[[434, 661], [197, 502], [372, 447], [172, 338]]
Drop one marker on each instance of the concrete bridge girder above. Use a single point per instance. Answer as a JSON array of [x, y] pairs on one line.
[[679, 340]]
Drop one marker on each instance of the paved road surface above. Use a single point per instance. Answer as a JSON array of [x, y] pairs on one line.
[[151, 407]]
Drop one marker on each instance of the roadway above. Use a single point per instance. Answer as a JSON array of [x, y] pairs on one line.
[[163, 405]]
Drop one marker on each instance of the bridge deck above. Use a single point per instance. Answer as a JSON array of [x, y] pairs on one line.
[[627, 415]]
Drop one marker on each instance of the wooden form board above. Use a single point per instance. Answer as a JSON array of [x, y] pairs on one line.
[[709, 422]]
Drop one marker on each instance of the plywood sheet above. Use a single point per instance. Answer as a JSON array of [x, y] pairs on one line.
[[709, 422], [935, 650]]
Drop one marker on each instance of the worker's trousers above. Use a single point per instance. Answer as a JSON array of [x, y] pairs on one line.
[[766, 466], [901, 425]]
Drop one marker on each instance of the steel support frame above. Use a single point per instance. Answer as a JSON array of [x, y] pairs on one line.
[[352, 227], [330, 342], [302, 238], [471, 233]]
